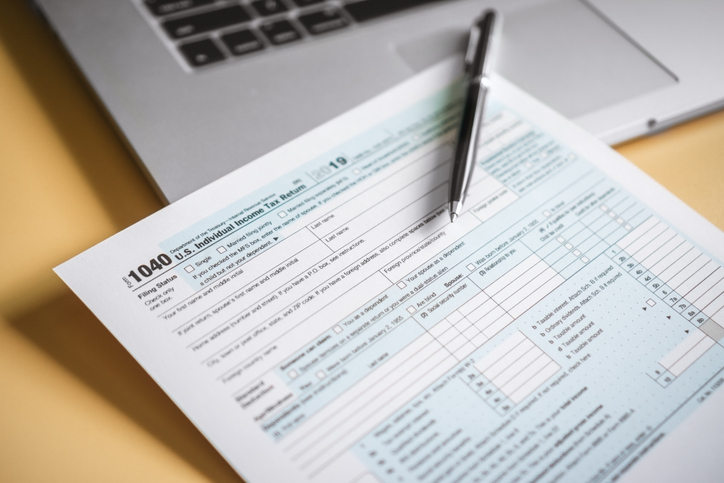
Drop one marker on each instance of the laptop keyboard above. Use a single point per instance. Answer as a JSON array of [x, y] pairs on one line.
[[207, 32]]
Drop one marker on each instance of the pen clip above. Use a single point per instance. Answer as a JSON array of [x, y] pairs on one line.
[[472, 46], [483, 34]]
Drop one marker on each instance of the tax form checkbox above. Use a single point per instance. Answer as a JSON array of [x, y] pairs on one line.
[[321, 374], [561, 239], [651, 302], [411, 309], [337, 329], [401, 284], [292, 374], [471, 267], [282, 214], [189, 268], [546, 213], [568, 245], [221, 249], [576, 252]]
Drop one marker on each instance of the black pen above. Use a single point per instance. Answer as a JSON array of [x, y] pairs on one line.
[[477, 68]]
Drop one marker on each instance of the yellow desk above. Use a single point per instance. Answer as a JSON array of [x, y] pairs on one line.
[[74, 406]]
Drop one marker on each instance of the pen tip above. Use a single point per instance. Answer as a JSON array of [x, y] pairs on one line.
[[453, 215]]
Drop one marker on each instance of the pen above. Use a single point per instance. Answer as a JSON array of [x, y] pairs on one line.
[[477, 68]]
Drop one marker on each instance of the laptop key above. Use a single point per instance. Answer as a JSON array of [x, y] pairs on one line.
[[324, 21], [371, 9], [306, 3], [204, 22], [165, 7], [242, 42], [280, 32], [201, 52], [268, 7]]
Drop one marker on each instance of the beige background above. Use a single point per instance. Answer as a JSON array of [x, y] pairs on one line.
[[74, 406]]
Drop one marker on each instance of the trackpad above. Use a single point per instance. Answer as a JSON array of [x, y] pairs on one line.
[[561, 52]]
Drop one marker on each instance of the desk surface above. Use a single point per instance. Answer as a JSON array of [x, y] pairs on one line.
[[74, 405]]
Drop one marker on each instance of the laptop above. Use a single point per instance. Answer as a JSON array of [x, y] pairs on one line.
[[198, 88]]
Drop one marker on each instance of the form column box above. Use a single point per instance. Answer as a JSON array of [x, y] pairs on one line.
[[665, 379], [667, 247], [701, 294], [468, 307], [713, 330], [693, 275], [630, 266], [620, 258], [672, 256], [597, 249], [639, 244], [648, 253], [686, 352], [654, 284], [655, 371], [504, 407], [516, 368], [613, 251], [555, 255], [574, 267], [699, 318], [713, 300], [672, 299], [646, 277], [663, 290], [614, 234], [639, 231], [582, 237], [693, 259]]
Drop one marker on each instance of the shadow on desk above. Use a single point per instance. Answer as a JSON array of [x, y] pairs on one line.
[[67, 331], [79, 122]]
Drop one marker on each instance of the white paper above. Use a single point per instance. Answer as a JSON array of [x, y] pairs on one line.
[[318, 318]]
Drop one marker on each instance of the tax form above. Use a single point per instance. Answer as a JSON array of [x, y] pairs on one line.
[[319, 319]]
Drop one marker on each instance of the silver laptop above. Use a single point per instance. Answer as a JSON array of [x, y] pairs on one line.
[[198, 88]]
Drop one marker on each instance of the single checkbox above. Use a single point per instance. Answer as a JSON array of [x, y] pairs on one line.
[[576, 252], [568, 245], [221, 249], [356, 171], [282, 214], [411, 309], [584, 259], [561, 239], [321, 374], [292, 374], [628, 227], [401, 284], [651, 302], [189, 268], [604, 208], [337, 329], [619, 220], [471, 267], [546, 213], [612, 214]]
